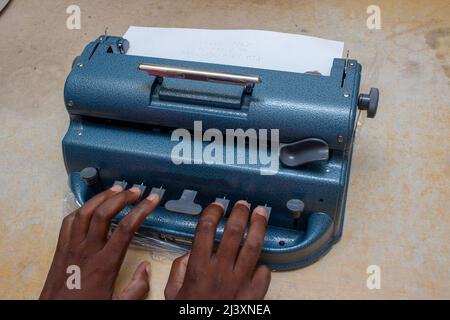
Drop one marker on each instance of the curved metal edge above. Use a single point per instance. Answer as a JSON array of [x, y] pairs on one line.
[[315, 243]]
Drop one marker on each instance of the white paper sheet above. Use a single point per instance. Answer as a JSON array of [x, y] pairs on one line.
[[247, 48]]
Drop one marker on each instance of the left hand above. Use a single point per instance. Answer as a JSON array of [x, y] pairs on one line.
[[83, 243]]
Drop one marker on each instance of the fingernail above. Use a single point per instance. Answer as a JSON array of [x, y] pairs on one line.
[[153, 197], [148, 269], [261, 211], [219, 204], [135, 190], [243, 202], [116, 188]]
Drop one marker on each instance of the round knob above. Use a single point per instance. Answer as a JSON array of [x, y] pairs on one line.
[[369, 102], [295, 207], [89, 175]]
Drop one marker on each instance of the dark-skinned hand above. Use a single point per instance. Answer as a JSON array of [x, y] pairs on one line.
[[231, 272]]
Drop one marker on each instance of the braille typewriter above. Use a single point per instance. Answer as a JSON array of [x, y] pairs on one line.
[[124, 109]]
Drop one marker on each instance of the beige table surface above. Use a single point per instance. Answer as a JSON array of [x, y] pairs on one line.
[[397, 213]]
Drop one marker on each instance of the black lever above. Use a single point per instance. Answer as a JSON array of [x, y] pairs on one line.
[[304, 151]]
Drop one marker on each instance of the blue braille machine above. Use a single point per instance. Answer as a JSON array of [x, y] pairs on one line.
[[123, 109]]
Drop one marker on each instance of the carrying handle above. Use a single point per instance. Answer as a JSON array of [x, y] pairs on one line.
[[201, 75]]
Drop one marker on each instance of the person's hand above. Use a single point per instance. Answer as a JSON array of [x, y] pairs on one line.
[[231, 272], [83, 242]]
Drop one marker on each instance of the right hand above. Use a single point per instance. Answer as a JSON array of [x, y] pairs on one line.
[[230, 272]]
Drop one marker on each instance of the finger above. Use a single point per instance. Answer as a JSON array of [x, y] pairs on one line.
[[251, 250], [66, 231], [176, 276], [138, 287], [103, 214], [259, 285], [58, 262], [205, 234], [261, 281], [84, 214], [233, 233], [118, 244]]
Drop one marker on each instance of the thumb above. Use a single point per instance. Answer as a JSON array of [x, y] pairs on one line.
[[176, 276], [138, 287]]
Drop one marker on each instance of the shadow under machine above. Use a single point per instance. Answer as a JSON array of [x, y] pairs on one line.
[[123, 110]]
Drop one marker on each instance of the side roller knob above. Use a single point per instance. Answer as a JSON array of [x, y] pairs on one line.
[[369, 102]]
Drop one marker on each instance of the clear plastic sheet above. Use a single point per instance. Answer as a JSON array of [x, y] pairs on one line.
[[159, 249]]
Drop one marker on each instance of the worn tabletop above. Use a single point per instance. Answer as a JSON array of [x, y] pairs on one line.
[[398, 200]]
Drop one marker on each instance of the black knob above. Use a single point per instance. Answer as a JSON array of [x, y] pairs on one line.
[[295, 207], [369, 102], [89, 175]]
